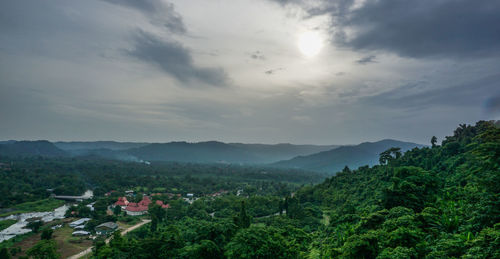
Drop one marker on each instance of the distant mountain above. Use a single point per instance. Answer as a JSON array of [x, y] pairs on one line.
[[104, 153], [201, 152], [214, 151], [332, 161], [31, 148], [277, 152], [92, 145]]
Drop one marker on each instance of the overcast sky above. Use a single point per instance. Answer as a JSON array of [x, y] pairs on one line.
[[239, 70]]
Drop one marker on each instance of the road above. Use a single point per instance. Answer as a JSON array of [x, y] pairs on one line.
[[89, 250]]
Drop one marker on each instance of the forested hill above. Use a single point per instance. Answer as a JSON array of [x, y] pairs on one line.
[[214, 151], [30, 148], [97, 145], [198, 152], [434, 202], [353, 156]]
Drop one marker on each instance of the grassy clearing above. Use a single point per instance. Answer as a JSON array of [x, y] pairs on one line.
[[35, 206], [68, 245], [6, 223]]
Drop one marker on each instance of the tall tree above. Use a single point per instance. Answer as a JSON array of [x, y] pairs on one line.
[[4, 253], [242, 220], [433, 141]]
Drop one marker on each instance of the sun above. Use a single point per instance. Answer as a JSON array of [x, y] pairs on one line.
[[310, 43]]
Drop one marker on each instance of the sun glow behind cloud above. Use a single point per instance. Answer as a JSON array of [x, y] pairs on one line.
[[310, 43]]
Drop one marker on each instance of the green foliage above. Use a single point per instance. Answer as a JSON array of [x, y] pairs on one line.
[[398, 253], [361, 246], [6, 223], [242, 220], [439, 202], [4, 253], [35, 225], [47, 234], [259, 242], [117, 210], [44, 249]]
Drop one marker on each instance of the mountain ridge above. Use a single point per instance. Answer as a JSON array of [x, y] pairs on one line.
[[334, 160]]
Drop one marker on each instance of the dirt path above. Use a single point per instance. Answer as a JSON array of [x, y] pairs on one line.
[[89, 250]]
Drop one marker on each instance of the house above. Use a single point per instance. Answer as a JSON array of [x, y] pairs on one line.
[[145, 201], [160, 203], [190, 195], [106, 228], [80, 233], [122, 202], [91, 206], [79, 222], [140, 208]]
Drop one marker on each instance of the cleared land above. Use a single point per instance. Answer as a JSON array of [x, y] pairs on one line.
[[35, 206]]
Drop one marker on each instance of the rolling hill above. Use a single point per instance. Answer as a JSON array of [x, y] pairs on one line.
[[219, 152], [31, 148], [334, 160]]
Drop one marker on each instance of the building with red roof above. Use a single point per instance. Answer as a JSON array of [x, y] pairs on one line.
[[136, 209], [160, 203], [122, 202], [139, 208]]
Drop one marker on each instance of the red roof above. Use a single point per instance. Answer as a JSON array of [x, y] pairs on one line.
[[122, 201], [136, 207], [165, 206], [141, 206], [145, 201]]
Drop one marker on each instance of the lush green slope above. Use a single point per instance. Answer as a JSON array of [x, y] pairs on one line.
[[353, 156], [437, 202], [433, 202]]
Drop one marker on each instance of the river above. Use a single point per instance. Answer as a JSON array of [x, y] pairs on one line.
[[22, 221]]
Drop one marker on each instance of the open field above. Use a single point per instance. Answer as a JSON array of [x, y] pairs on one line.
[[66, 244], [35, 206]]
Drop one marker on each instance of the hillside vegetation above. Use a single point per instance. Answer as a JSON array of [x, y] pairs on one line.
[[432, 202], [437, 202]]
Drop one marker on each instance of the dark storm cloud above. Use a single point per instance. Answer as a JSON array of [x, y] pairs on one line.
[[424, 28], [475, 93], [174, 59], [366, 60], [161, 12]]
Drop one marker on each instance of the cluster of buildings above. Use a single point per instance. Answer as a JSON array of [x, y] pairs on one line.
[[79, 225], [139, 208], [103, 229]]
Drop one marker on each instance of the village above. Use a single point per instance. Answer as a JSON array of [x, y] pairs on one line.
[[122, 205], [85, 218]]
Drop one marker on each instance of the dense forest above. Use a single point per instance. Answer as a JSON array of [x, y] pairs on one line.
[[440, 201], [436, 202], [26, 179]]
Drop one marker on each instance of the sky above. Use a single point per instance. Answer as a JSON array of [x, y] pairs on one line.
[[251, 71]]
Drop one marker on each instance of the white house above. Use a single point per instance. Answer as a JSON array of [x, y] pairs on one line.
[[78, 222]]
